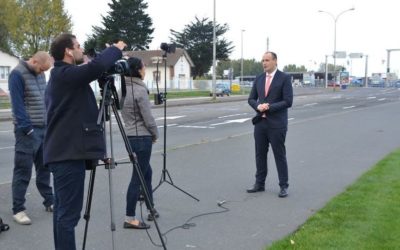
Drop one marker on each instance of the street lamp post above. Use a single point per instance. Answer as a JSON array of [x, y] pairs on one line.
[[334, 38], [241, 58], [214, 56]]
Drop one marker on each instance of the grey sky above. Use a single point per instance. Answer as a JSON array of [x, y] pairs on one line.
[[297, 32]]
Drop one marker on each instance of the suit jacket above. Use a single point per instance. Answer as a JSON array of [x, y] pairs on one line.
[[279, 97]]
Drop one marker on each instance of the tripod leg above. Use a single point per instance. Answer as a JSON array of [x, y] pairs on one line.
[[110, 185], [180, 189], [162, 179], [136, 167], [88, 204]]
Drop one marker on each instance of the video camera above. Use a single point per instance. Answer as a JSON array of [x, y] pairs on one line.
[[120, 67], [168, 48]]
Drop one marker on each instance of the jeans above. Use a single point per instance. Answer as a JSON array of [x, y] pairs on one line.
[[142, 146], [69, 184], [29, 151]]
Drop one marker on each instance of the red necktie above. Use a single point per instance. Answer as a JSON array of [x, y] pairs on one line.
[[267, 84]]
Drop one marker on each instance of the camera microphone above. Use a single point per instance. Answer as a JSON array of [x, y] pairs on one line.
[[220, 203]]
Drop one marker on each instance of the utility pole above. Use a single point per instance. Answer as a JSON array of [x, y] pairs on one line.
[[388, 64], [214, 56]]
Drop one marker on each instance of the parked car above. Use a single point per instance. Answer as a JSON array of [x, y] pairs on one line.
[[221, 90], [357, 82], [332, 83], [396, 84]]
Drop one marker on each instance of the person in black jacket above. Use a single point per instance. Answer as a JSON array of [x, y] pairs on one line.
[[73, 136]]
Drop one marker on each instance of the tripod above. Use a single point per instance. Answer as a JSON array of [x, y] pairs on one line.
[[165, 176], [104, 115]]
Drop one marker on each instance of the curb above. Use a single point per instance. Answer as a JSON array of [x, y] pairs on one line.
[[5, 114]]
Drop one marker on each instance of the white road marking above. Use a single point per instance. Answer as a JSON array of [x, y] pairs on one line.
[[190, 126], [232, 121], [290, 119], [170, 117], [371, 97], [10, 147], [226, 116], [310, 104], [382, 99], [168, 125], [6, 131], [349, 107]]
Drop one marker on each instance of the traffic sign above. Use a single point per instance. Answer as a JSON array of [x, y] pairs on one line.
[[356, 55], [340, 54]]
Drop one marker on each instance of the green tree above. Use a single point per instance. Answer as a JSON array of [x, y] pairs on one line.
[[33, 23], [4, 39], [6, 13], [330, 67], [251, 67], [197, 39], [127, 21], [294, 68]]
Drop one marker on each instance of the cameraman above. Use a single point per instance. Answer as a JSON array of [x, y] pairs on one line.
[[73, 138]]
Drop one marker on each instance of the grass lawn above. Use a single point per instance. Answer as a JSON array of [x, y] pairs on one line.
[[4, 102], [365, 216]]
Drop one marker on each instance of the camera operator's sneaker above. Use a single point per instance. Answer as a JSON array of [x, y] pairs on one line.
[[22, 218], [49, 209]]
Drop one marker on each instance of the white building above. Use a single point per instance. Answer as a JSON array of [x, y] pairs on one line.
[[7, 63], [178, 68]]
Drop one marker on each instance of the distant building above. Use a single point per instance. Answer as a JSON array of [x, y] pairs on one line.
[[7, 63], [178, 68]]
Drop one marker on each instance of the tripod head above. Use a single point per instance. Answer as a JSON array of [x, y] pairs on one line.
[[159, 97]]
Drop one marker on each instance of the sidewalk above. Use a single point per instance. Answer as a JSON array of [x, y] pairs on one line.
[[5, 114]]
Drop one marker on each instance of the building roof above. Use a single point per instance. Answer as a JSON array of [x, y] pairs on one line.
[[149, 57], [2, 92], [6, 53]]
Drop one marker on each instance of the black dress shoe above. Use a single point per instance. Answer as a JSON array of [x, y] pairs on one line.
[[256, 188], [283, 193], [141, 225]]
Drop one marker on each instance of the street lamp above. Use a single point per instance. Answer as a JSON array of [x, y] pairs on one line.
[[214, 56], [334, 38], [241, 60]]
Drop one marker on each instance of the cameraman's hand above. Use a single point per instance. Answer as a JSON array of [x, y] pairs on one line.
[[120, 45]]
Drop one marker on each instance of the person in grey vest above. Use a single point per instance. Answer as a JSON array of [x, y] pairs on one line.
[[27, 84]]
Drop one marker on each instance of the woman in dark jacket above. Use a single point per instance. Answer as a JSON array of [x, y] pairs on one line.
[[142, 132]]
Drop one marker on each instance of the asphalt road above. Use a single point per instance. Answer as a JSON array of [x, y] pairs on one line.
[[333, 138]]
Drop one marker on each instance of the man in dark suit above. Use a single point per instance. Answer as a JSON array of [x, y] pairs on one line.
[[271, 96]]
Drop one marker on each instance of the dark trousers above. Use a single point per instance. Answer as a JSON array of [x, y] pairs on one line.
[[263, 137], [29, 152], [69, 182], [142, 146]]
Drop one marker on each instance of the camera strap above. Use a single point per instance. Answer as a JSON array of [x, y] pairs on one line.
[[123, 92]]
